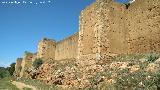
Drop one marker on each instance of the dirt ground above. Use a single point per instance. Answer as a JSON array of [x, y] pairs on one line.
[[21, 86]]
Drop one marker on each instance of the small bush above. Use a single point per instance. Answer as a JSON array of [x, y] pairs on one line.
[[37, 63], [137, 81], [157, 81], [152, 57]]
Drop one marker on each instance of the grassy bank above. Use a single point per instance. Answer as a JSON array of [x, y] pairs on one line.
[[5, 84], [40, 85]]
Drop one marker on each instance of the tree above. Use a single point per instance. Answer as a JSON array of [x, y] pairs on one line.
[[11, 69], [4, 72]]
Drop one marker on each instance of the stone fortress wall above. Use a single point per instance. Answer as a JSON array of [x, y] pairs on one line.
[[18, 66], [108, 28], [26, 64], [46, 49], [49, 49], [67, 48]]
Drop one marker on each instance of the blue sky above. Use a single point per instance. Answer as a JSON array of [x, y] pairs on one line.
[[22, 26]]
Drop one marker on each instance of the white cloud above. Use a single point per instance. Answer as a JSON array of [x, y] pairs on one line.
[[49, 1], [4, 64], [15, 2], [131, 1]]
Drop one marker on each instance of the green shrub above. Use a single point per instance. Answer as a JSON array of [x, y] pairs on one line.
[[37, 63], [140, 80], [152, 57], [157, 82]]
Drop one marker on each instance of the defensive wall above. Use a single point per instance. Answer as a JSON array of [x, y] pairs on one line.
[[107, 28], [18, 66], [65, 49], [26, 64], [46, 49]]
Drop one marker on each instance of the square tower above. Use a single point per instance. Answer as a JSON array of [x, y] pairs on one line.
[[26, 64], [18, 66], [46, 49]]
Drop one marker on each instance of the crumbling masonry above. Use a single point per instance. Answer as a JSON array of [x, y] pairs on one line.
[[108, 28], [18, 66]]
